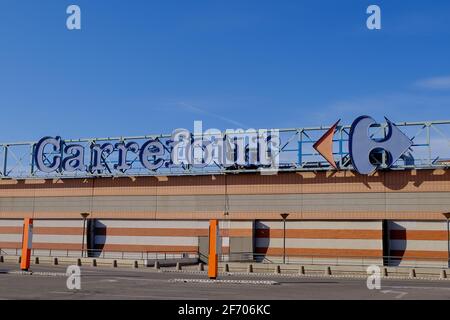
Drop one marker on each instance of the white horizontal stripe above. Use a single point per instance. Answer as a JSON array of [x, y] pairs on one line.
[[340, 225], [236, 224], [175, 241], [10, 238], [319, 243], [11, 223], [46, 238], [421, 245], [418, 225], [58, 223], [176, 224]]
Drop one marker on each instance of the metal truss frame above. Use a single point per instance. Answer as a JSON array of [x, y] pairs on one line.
[[431, 150]]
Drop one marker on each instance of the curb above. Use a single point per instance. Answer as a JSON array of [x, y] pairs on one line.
[[262, 282], [337, 276], [299, 276], [45, 274]]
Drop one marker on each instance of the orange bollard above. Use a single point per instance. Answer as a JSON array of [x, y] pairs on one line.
[[27, 241], [213, 259]]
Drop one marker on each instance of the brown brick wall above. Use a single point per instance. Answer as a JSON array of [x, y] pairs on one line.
[[419, 195]]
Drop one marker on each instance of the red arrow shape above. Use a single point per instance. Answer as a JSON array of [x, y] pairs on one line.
[[325, 145]]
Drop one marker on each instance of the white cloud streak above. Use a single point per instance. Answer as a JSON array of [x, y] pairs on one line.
[[435, 83], [197, 110]]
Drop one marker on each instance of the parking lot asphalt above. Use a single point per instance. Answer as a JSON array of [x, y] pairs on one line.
[[50, 282]]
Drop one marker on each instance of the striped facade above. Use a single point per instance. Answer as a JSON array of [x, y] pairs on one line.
[[309, 240], [57, 237], [418, 240], [165, 236], [149, 235], [331, 214]]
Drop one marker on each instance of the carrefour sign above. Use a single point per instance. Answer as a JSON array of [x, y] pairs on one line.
[[396, 143], [257, 148], [361, 145]]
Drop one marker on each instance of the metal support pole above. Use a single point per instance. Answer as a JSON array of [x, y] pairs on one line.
[[300, 148], [284, 241], [32, 160], [82, 240], [213, 258], [5, 162], [284, 217], [84, 215], [430, 160], [341, 147], [448, 242], [27, 242]]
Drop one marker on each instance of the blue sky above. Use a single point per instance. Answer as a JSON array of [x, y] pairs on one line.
[[144, 66]]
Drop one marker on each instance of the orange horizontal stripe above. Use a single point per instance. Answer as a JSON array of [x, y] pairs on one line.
[[319, 234], [147, 248], [57, 246], [10, 245], [41, 245], [294, 183], [151, 232], [411, 254], [11, 230], [170, 232], [322, 252], [44, 230], [58, 230], [418, 235], [236, 216]]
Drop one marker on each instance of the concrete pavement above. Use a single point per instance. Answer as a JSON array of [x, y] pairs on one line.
[[121, 283]]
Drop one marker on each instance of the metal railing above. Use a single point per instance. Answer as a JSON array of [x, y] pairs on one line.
[[244, 257], [393, 261], [95, 253], [319, 260]]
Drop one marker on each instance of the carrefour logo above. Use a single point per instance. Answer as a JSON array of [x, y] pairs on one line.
[[361, 145], [396, 143]]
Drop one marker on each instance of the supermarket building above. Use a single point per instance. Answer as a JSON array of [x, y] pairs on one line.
[[338, 214]]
